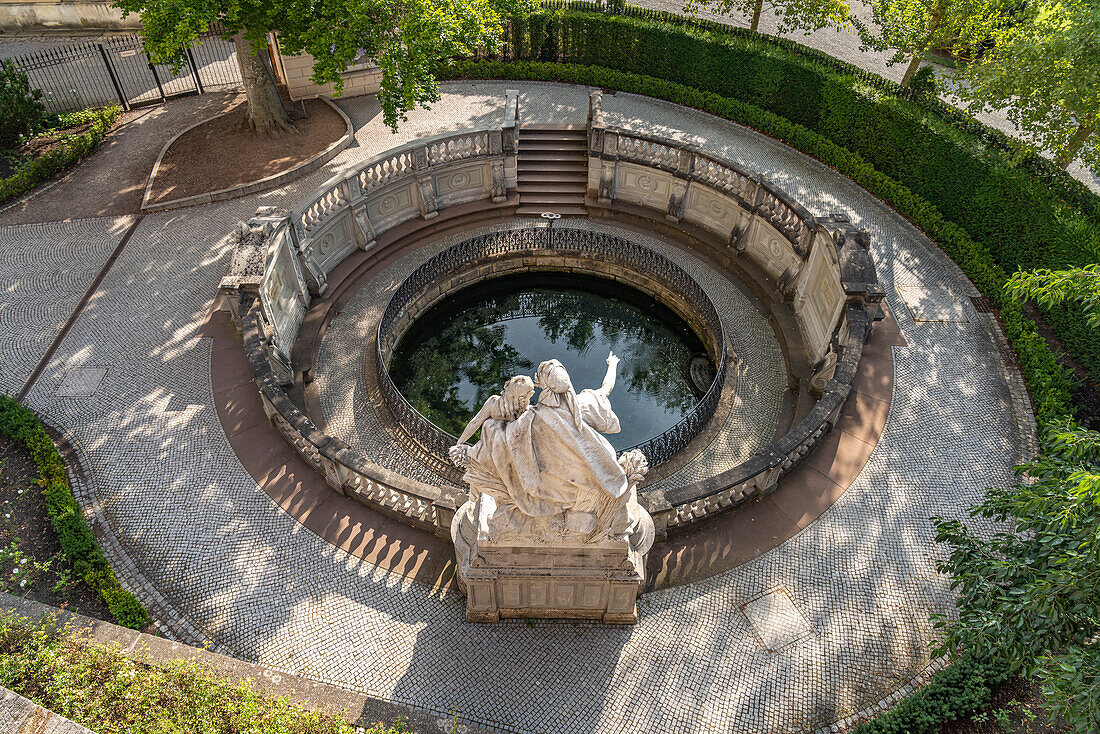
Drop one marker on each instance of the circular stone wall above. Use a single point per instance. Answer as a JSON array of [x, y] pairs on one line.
[[348, 402]]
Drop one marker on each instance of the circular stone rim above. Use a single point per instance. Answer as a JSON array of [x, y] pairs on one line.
[[485, 257]]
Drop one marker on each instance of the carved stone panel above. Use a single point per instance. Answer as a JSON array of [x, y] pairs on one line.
[[714, 211], [820, 301], [459, 184], [335, 242], [771, 250], [392, 206], [641, 185]]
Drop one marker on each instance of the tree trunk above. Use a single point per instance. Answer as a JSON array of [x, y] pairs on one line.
[[918, 53], [913, 66], [266, 113], [1069, 153], [756, 15]]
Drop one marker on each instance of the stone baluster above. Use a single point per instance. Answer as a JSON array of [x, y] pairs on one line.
[[428, 208]]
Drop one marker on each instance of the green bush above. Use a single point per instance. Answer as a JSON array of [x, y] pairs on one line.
[[45, 166], [73, 534], [955, 693], [1000, 195], [21, 109]]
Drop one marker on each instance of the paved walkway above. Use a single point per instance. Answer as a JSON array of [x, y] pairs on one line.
[[821, 627]]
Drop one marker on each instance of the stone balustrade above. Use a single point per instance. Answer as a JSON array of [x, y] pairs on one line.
[[828, 280]]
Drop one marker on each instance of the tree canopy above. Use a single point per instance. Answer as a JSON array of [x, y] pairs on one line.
[[1044, 69], [914, 27], [806, 15], [406, 39]]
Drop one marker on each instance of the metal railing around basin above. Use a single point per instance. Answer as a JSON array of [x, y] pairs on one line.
[[595, 245]]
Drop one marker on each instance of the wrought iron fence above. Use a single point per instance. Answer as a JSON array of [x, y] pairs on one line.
[[117, 70], [596, 245]]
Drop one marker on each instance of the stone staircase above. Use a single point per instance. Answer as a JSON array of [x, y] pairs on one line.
[[552, 169]]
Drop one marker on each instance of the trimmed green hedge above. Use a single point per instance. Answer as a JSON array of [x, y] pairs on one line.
[[42, 168], [955, 693], [77, 541], [1022, 220]]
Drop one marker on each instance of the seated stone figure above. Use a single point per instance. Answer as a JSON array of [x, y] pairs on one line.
[[544, 472]]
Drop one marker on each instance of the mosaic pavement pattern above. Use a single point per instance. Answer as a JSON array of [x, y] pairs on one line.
[[244, 575], [750, 425], [45, 269]]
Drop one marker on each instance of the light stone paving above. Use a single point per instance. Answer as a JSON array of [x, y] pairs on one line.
[[45, 269], [230, 564], [750, 425]]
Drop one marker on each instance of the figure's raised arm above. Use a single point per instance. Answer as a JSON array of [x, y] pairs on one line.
[[609, 379], [475, 422]]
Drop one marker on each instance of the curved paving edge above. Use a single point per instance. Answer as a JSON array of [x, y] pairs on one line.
[[273, 181]]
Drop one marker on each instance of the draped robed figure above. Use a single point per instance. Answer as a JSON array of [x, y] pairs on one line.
[[546, 468]]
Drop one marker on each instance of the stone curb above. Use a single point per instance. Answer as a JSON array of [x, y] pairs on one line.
[[19, 715], [233, 192], [356, 708]]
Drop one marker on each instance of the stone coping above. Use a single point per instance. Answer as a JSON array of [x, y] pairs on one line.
[[357, 709], [275, 180], [20, 715]]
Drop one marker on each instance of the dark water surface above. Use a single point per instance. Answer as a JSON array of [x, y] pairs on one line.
[[463, 350]]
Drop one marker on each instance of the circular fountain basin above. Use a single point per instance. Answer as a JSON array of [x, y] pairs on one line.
[[465, 347]]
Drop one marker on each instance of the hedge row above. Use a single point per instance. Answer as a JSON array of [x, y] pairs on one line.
[[1021, 221], [45, 166], [1023, 156], [77, 541]]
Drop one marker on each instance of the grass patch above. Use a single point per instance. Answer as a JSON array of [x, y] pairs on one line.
[[99, 687]]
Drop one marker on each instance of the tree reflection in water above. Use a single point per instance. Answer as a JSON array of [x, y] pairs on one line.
[[463, 349]]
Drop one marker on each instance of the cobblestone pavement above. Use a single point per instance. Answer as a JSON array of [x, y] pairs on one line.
[[818, 629], [762, 379], [45, 270]]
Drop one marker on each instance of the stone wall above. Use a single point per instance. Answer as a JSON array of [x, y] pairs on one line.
[[22, 15], [295, 73]]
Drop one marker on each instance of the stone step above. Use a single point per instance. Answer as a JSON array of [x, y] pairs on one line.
[[556, 138], [526, 190], [550, 164], [551, 198], [538, 148], [535, 210], [550, 127], [552, 176]]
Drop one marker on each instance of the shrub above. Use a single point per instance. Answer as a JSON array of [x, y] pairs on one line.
[[73, 534], [47, 165], [21, 109]]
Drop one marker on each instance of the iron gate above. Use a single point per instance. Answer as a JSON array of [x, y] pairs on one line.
[[117, 70]]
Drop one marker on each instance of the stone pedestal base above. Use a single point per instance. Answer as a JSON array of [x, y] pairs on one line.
[[598, 580]]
